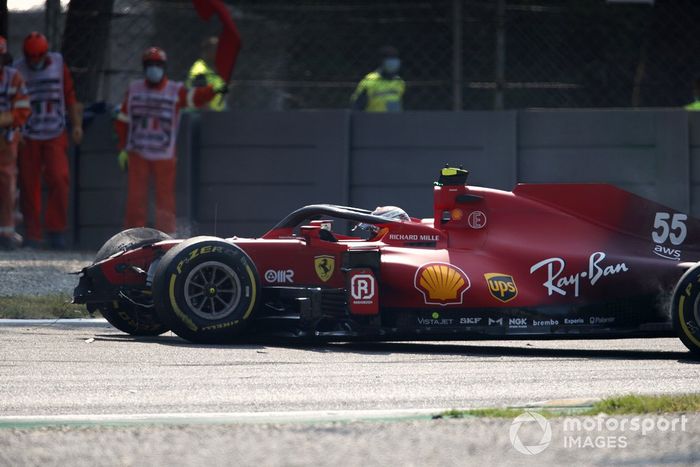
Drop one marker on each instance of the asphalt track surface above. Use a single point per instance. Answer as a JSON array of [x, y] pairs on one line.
[[91, 395]]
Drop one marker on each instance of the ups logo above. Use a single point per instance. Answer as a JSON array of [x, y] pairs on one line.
[[501, 286]]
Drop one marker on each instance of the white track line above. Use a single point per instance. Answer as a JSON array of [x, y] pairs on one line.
[[78, 322], [218, 418]]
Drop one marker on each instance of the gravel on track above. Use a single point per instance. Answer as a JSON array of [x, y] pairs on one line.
[[419, 443], [28, 272]]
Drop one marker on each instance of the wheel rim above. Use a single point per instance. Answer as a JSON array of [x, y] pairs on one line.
[[696, 313], [212, 290]]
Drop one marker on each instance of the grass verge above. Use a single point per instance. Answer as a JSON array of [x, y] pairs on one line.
[[636, 404], [620, 405], [40, 307]]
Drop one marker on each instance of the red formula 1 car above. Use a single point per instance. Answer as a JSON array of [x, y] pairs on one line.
[[542, 261]]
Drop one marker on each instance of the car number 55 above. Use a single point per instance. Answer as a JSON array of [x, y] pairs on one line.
[[676, 232]]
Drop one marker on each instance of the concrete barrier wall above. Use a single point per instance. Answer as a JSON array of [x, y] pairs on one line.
[[255, 167], [394, 159], [240, 172], [99, 186], [645, 152]]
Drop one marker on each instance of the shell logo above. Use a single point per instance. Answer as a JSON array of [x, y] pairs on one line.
[[441, 283]]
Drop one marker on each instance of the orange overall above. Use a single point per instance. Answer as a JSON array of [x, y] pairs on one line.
[[147, 127], [14, 106], [44, 151]]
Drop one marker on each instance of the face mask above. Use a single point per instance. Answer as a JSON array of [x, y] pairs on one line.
[[37, 65], [391, 65], [154, 74]]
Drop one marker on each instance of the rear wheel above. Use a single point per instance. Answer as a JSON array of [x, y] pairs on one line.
[[206, 290], [124, 315], [685, 309]]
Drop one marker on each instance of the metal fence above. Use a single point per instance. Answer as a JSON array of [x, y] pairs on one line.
[[456, 54]]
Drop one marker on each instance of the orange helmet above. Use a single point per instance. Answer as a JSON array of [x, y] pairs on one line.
[[35, 47], [154, 54]]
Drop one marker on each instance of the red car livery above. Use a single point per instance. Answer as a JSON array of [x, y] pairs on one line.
[[556, 260]]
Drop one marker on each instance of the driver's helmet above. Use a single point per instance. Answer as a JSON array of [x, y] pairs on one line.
[[387, 212], [391, 212]]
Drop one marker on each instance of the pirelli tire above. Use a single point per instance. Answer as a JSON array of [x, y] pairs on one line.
[[685, 309], [130, 239], [132, 319], [126, 316], [206, 290]]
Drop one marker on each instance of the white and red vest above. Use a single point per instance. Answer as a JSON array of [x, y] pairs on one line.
[[153, 119], [7, 91], [45, 87]]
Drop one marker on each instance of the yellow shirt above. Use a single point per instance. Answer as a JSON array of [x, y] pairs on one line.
[[694, 106], [383, 94], [200, 75]]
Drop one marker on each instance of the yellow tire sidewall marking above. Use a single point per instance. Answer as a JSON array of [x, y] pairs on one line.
[[180, 314], [252, 294], [686, 331]]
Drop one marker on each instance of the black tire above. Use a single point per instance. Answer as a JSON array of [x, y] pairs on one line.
[[130, 240], [206, 290], [133, 319], [123, 315], [685, 309]]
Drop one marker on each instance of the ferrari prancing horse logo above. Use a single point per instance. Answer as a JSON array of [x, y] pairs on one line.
[[324, 265]]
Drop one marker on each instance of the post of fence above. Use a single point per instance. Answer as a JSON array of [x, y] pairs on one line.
[[457, 77], [498, 102], [51, 22]]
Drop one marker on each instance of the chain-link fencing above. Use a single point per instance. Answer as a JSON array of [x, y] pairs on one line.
[[456, 54]]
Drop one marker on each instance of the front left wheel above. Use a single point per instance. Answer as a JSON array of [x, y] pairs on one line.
[[130, 239], [131, 318], [206, 290]]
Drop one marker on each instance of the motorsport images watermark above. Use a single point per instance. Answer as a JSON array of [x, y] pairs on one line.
[[531, 433]]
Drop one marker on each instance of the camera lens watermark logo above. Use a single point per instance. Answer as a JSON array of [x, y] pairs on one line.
[[530, 421], [531, 433]]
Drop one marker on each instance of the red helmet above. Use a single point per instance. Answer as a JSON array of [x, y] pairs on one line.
[[154, 54], [35, 47]]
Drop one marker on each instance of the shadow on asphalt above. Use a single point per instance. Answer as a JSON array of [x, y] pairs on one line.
[[516, 349], [173, 340]]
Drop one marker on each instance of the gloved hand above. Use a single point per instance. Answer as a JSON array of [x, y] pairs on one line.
[[223, 89], [5, 119], [77, 135], [123, 160]]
